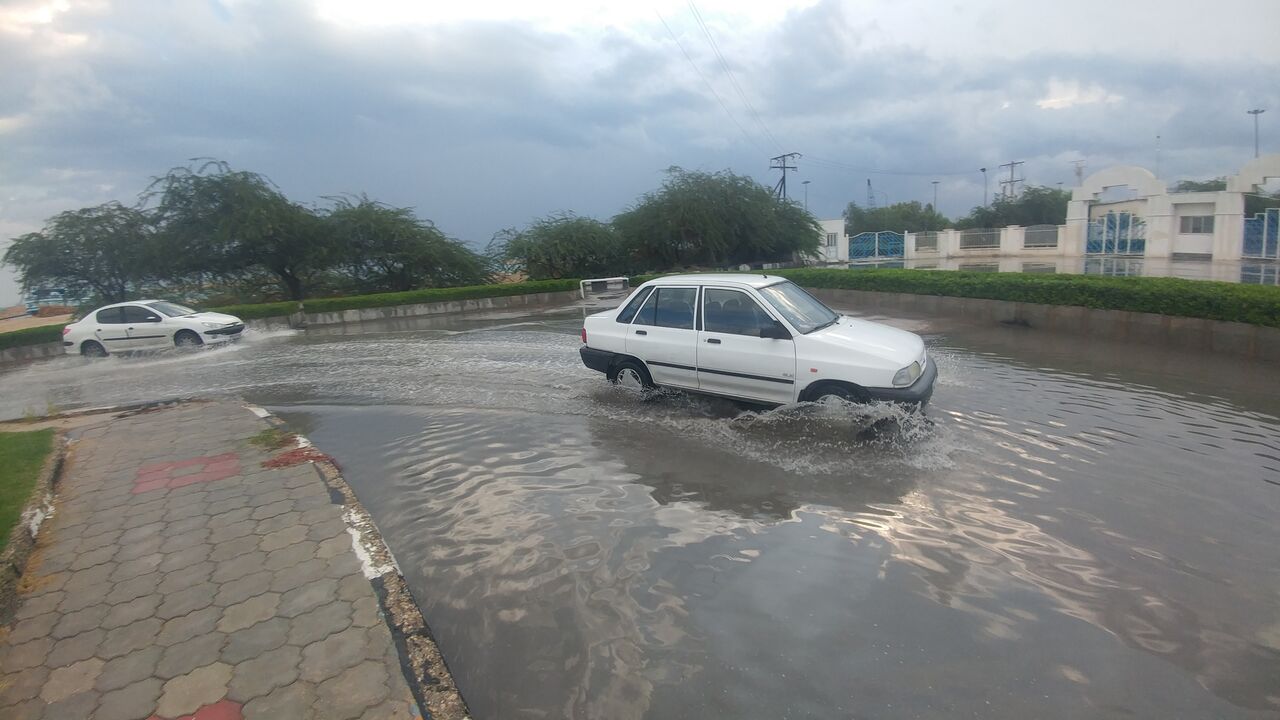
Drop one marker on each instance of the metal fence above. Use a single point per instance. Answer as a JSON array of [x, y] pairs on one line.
[[885, 243], [926, 241], [979, 238], [1262, 235], [1041, 236]]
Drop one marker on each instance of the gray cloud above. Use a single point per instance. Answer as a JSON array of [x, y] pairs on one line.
[[485, 124]]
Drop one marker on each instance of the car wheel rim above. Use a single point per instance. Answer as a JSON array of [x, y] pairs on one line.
[[630, 379]]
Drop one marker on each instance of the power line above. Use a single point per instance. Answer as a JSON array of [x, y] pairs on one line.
[[837, 165], [710, 87], [780, 163], [715, 48], [1009, 188]]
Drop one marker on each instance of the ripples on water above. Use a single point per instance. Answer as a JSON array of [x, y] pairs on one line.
[[1048, 543]]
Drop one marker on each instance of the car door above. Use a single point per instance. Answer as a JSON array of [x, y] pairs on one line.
[[110, 329], [733, 359], [663, 336], [145, 328]]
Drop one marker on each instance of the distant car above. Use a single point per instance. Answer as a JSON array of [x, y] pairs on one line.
[[147, 325], [757, 338]]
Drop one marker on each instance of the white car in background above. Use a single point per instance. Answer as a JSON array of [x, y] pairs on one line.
[[147, 325], [757, 338]]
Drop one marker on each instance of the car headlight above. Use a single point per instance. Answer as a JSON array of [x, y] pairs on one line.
[[907, 375], [211, 324]]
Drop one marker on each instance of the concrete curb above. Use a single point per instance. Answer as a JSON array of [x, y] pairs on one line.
[[22, 539], [423, 666]]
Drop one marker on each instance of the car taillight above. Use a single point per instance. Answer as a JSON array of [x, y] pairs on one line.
[[584, 334], [67, 329]]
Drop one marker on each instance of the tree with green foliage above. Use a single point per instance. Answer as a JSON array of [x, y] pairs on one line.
[[904, 216], [105, 251], [715, 219], [221, 221], [387, 249], [564, 245], [1217, 184], [1037, 205]]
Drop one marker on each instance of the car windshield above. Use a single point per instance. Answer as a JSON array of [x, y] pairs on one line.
[[171, 309], [801, 309]]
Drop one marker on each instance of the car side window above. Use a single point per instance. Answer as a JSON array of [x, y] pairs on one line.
[[633, 307], [110, 316], [135, 314], [732, 312], [669, 307]]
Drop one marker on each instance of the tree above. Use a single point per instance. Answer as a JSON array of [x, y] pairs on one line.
[[388, 249], [1189, 186], [1037, 205], [222, 221], [699, 218], [105, 251], [904, 216], [565, 246]]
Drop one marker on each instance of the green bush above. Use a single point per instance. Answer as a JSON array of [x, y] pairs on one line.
[[432, 295], [31, 336], [1253, 304], [259, 310]]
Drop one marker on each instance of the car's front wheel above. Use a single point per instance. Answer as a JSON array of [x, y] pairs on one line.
[[187, 339], [91, 348], [632, 375], [837, 391]]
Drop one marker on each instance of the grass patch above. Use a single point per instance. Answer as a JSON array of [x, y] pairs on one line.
[[22, 455], [31, 336], [1252, 304], [273, 439]]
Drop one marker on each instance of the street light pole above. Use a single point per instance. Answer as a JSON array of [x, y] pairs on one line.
[[1255, 113], [935, 196], [806, 194], [984, 186]]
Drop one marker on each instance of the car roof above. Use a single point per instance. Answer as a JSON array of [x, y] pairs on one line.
[[126, 302], [755, 280]]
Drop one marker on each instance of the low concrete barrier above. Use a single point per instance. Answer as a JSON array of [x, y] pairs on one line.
[[1229, 338], [27, 353], [439, 308]]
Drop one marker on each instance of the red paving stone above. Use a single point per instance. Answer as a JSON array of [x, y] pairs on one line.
[[221, 710], [207, 468]]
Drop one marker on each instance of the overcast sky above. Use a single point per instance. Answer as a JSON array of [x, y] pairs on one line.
[[484, 115]]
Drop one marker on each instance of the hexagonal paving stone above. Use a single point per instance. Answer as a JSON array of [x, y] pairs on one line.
[[74, 649], [241, 589], [309, 596], [183, 657], [193, 624], [325, 658], [128, 669], [70, 680], [131, 611], [131, 637], [253, 641], [22, 685], [250, 612], [187, 693], [258, 676], [185, 601], [131, 702], [353, 690], [320, 623]]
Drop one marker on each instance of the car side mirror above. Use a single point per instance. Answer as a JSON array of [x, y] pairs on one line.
[[775, 331]]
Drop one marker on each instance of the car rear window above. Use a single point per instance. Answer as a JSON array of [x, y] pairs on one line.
[[633, 307]]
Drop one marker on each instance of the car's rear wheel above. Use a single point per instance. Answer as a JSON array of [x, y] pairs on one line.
[[631, 374], [92, 348], [187, 339]]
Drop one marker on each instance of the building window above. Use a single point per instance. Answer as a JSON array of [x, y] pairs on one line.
[[831, 239], [1197, 224]]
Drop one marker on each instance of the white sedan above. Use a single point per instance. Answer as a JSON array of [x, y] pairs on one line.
[[753, 337], [147, 325]]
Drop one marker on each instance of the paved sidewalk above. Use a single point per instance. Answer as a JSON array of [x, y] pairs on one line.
[[180, 578]]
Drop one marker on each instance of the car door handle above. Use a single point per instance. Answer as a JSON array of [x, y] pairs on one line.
[[714, 341], [129, 328], [642, 332]]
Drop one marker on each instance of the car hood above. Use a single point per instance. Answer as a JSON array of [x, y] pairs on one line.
[[212, 317], [897, 348]]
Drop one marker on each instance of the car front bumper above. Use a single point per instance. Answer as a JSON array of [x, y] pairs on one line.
[[917, 393], [225, 333]]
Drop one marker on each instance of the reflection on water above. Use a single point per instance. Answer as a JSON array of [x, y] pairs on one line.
[[1079, 528]]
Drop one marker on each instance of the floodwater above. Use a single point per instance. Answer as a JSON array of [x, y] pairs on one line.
[[1079, 529]]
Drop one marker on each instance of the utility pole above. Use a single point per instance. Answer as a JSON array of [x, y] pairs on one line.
[[871, 196], [1255, 113], [780, 163], [806, 194], [1009, 188], [984, 186], [1079, 171], [935, 196]]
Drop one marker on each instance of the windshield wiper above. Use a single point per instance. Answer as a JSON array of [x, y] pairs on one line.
[[826, 324]]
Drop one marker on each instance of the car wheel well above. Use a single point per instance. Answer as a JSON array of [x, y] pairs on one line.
[[185, 332], [616, 366], [87, 349], [817, 389]]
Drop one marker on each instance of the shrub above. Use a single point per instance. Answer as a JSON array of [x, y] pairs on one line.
[[1253, 304], [259, 310], [31, 336]]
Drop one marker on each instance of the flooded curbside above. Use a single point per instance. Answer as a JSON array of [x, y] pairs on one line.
[[1181, 333], [421, 662]]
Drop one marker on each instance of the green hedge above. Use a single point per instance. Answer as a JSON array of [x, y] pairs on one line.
[[432, 295], [31, 336], [260, 310], [1253, 304]]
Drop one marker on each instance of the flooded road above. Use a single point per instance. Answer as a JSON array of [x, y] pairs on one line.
[[1079, 530]]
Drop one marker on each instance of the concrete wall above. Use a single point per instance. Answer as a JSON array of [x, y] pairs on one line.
[[1229, 338], [840, 251], [30, 352], [439, 308]]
